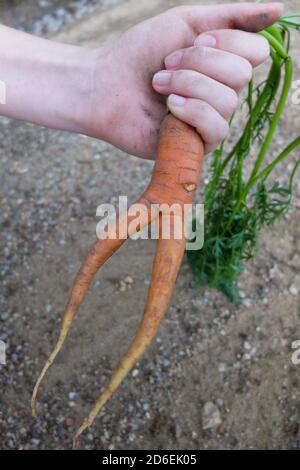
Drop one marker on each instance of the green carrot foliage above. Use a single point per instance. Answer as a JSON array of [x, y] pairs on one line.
[[239, 205]]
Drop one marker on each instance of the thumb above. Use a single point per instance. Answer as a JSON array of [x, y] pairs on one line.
[[250, 17]]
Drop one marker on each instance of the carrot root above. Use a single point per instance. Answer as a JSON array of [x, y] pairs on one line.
[[174, 181], [166, 265], [101, 251]]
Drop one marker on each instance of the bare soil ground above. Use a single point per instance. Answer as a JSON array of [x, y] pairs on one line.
[[208, 350]]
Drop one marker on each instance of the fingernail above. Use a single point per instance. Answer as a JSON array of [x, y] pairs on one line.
[[206, 40], [162, 78], [174, 59], [176, 100]]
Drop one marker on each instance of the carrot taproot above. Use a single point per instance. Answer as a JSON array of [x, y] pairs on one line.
[[174, 181]]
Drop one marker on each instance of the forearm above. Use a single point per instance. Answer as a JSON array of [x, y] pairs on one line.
[[46, 83]]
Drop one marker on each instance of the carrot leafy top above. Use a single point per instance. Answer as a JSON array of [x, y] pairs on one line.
[[239, 202]]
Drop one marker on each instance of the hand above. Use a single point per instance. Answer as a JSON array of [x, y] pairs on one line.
[[203, 81], [210, 69]]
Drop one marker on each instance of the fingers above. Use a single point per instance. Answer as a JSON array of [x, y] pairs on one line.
[[229, 69], [203, 80], [252, 47], [250, 17], [212, 127], [196, 85]]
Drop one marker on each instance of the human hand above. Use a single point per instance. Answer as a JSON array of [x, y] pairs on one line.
[[127, 103]]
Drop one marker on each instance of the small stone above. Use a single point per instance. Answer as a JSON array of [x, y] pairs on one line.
[[68, 422], [178, 431], [210, 416], [129, 280], [135, 373], [222, 367], [131, 437], [247, 345], [48, 308], [295, 445], [295, 261], [293, 290], [122, 287], [11, 444], [44, 3], [221, 429], [72, 395], [35, 443], [247, 302], [166, 363]]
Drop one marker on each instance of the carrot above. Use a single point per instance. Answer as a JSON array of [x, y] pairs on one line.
[[174, 181]]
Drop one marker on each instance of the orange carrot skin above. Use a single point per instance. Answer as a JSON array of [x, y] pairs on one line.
[[167, 260], [178, 164], [174, 181]]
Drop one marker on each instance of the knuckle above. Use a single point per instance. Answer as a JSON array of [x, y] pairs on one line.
[[202, 109], [218, 126], [245, 74], [192, 79], [187, 79], [197, 55], [179, 78], [219, 132], [222, 130], [201, 52], [232, 102], [264, 48]]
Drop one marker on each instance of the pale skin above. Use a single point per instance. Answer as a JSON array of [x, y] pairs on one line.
[[195, 59]]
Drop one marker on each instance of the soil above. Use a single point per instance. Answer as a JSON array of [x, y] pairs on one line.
[[209, 355]]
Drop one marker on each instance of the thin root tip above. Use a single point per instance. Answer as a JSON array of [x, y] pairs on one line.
[[78, 433], [34, 411], [75, 439], [74, 442]]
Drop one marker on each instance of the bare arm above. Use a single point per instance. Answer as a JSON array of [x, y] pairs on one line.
[[45, 82]]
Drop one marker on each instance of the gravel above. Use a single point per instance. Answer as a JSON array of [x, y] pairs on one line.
[[217, 376]]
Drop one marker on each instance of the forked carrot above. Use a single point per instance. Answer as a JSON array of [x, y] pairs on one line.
[[174, 181]]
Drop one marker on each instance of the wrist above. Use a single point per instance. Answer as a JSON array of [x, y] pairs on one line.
[[75, 74], [99, 106]]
